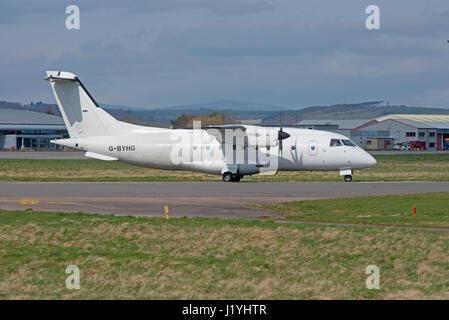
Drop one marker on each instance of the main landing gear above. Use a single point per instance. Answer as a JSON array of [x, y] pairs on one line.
[[231, 177], [348, 178]]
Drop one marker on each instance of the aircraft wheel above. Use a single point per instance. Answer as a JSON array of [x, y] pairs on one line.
[[227, 176], [348, 178]]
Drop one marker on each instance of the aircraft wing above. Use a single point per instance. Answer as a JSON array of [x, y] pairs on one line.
[[220, 132], [243, 135], [226, 126]]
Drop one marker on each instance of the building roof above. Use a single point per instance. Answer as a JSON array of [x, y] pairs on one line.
[[437, 125], [11, 119], [342, 124], [416, 117], [421, 121]]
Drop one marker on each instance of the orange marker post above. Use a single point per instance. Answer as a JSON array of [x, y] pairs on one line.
[[414, 211]]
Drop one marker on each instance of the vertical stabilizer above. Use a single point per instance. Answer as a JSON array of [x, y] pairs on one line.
[[82, 115]]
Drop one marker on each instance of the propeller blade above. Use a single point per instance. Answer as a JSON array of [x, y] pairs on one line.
[[281, 136]]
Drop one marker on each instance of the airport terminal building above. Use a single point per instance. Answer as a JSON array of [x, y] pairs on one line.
[[20, 129]]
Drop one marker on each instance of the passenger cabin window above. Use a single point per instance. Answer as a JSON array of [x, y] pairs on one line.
[[336, 143]]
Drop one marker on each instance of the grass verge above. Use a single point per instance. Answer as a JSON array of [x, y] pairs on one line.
[[141, 258], [425, 167], [432, 210]]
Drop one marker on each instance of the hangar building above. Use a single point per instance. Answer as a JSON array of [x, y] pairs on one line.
[[20, 129], [414, 131]]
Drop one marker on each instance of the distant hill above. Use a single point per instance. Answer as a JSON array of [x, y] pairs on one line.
[[33, 106], [241, 111], [115, 107], [10, 105], [164, 116], [226, 105], [365, 110]]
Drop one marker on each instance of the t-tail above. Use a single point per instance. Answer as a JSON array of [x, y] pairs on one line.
[[83, 117]]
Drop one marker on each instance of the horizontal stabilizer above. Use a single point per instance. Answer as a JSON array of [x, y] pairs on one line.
[[98, 156], [60, 75], [268, 173]]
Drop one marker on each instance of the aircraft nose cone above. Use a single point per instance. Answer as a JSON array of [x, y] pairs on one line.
[[363, 160], [370, 161]]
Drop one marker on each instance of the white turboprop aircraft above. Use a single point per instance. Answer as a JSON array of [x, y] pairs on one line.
[[232, 151]]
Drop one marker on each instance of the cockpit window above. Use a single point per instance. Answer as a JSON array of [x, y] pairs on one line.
[[336, 143], [348, 143]]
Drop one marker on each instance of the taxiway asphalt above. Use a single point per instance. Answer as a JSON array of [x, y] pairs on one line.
[[190, 199]]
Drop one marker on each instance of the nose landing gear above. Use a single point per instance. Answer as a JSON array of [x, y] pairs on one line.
[[231, 177], [347, 173]]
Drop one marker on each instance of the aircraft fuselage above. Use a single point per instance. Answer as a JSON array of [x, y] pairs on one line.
[[305, 150]]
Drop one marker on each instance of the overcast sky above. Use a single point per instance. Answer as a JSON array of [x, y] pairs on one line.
[[285, 52]]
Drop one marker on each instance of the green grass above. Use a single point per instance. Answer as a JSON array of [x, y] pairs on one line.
[[423, 167], [142, 258], [432, 210]]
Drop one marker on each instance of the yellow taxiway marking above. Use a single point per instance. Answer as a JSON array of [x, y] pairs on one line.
[[29, 201], [35, 201]]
